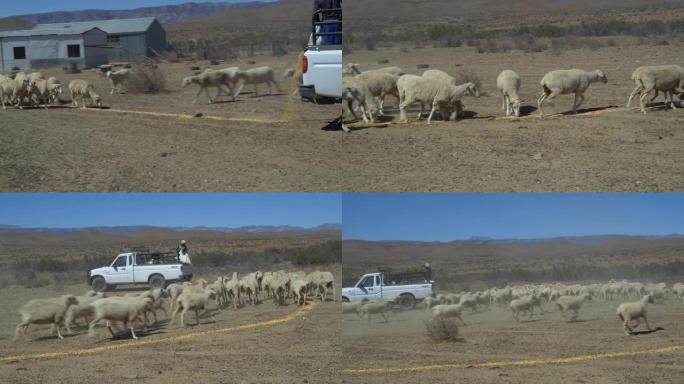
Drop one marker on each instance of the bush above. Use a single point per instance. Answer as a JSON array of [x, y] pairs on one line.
[[468, 76], [146, 78], [442, 329]]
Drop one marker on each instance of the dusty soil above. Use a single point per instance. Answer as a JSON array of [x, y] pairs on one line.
[[494, 336], [303, 349], [608, 149], [280, 145]]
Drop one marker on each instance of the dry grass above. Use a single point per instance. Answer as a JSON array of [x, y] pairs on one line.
[[442, 329], [147, 78]]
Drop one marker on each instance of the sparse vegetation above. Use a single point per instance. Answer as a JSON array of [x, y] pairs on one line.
[[442, 329], [147, 78]]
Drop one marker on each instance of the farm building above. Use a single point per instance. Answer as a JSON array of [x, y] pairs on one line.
[[101, 41], [52, 48]]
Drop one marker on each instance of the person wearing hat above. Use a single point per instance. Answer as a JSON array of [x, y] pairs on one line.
[[428, 272], [182, 251]]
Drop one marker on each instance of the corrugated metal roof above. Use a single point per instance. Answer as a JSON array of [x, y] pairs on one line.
[[46, 32], [113, 26]]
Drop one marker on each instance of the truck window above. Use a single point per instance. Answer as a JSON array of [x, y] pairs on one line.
[[377, 280], [120, 262], [367, 282]]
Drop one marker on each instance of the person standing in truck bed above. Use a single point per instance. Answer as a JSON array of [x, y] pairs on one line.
[[329, 11]]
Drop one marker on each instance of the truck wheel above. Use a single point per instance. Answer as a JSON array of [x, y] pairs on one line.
[[407, 301], [99, 284], [157, 281], [345, 300]]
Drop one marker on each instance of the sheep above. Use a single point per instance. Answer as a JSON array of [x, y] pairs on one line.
[[279, 286], [299, 291], [396, 71], [206, 80], [430, 302], [448, 310], [193, 301], [665, 78], [85, 90], [380, 85], [678, 289], [256, 76], [220, 290], [322, 281], [157, 295], [525, 304], [353, 307], [508, 84], [123, 309], [13, 91], [44, 311], [35, 76], [351, 69], [232, 289], [174, 290], [377, 307], [572, 303], [251, 285], [82, 309], [440, 95], [634, 311], [118, 80], [47, 92], [356, 91], [563, 82]]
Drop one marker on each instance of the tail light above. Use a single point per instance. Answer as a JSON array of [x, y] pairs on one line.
[[305, 64]]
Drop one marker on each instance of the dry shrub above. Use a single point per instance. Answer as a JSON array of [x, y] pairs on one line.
[[442, 329], [469, 76], [146, 78]]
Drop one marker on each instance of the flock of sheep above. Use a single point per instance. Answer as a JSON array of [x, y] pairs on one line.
[[34, 89], [365, 91], [133, 308], [523, 300]]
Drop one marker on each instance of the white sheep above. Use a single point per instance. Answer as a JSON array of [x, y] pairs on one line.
[[508, 84], [525, 305], [118, 79], [35, 76], [568, 81], [440, 95], [13, 91], [678, 289], [396, 71], [380, 85], [299, 291], [634, 311], [430, 302], [85, 90], [206, 80], [123, 309], [44, 311], [661, 78], [356, 93], [195, 301], [322, 282], [81, 309], [47, 92], [377, 307], [256, 76], [351, 69], [232, 289], [572, 303], [448, 310]]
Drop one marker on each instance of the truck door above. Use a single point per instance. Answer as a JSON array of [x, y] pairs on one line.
[[121, 270]]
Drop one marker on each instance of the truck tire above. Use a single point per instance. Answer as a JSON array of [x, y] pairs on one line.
[[407, 301], [157, 281], [345, 300], [98, 284]]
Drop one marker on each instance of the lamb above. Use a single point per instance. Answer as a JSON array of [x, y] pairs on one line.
[[232, 289], [85, 90], [279, 286], [377, 307], [563, 82], [356, 91], [508, 84], [251, 285], [634, 311], [353, 307], [442, 96], [525, 304], [13, 91], [431, 302], [124, 309], [44, 311], [299, 291], [448, 310], [665, 78], [194, 301], [47, 92], [572, 303], [157, 295], [322, 282], [82, 309], [118, 80], [256, 76], [220, 290], [380, 85], [206, 80]]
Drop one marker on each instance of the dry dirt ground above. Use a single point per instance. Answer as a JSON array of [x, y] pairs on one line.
[[494, 336], [303, 348], [609, 149], [281, 146]]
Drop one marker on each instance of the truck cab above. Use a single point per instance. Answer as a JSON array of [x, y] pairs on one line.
[[322, 61], [404, 288], [156, 269]]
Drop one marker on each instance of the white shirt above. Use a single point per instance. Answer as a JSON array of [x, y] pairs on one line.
[[184, 258]]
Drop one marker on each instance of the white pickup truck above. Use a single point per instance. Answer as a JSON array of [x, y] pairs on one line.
[[153, 268], [322, 62], [405, 288]]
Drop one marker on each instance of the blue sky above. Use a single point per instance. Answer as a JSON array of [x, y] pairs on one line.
[[445, 217], [10, 8], [72, 210]]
